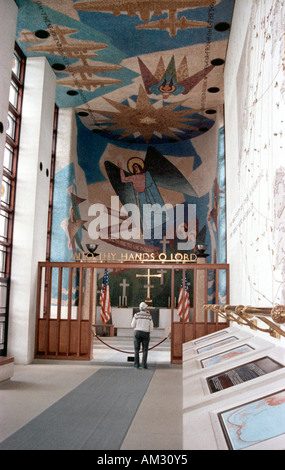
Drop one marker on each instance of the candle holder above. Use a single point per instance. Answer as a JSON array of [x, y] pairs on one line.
[[200, 248], [92, 248]]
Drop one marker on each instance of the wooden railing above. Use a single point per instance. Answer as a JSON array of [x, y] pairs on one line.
[[64, 316], [66, 305]]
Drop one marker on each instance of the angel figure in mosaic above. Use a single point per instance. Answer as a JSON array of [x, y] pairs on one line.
[[139, 185]]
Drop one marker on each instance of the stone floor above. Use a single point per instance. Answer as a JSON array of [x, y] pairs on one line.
[[157, 424]]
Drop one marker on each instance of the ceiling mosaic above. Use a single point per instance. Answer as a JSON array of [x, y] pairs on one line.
[[136, 71]]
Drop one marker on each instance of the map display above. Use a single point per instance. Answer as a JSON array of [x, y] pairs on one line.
[[254, 422], [207, 338], [216, 345], [226, 355]]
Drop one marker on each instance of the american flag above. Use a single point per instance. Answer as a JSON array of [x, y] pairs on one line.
[[105, 299], [183, 309]]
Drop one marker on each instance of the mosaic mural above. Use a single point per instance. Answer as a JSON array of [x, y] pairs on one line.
[[145, 82]]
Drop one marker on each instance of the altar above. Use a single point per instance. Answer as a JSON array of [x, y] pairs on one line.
[[122, 317]]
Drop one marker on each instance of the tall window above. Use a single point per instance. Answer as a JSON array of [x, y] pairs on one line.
[[8, 190], [52, 173]]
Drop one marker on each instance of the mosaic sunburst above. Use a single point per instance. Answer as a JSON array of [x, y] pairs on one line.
[[146, 120]]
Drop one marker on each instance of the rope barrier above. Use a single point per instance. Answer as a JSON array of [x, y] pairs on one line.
[[128, 352]]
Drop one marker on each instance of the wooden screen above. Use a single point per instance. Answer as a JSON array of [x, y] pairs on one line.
[[65, 316]]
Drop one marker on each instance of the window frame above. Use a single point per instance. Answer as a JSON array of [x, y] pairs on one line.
[[7, 208]]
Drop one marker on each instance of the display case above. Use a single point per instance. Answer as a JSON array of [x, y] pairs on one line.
[[222, 380], [251, 419]]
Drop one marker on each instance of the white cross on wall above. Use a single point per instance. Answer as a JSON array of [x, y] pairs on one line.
[[123, 301], [162, 272], [124, 285], [164, 243]]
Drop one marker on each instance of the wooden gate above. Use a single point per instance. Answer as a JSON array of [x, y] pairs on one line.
[[209, 281], [64, 316]]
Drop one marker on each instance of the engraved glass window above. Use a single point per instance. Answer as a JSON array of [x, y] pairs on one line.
[[8, 158], [11, 125], [16, 65], [4, 220], [5, 191], [14, 93]]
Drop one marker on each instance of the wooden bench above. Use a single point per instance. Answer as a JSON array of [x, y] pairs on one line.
[[6, 368]]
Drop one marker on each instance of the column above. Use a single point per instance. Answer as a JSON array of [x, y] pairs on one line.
[[32, 199]]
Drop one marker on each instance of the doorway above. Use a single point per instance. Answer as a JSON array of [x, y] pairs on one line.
[[128, 287]]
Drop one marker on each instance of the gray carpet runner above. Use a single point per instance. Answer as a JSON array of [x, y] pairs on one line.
[[96, 415]]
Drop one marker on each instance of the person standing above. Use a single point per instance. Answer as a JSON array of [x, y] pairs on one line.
[[143, 325]]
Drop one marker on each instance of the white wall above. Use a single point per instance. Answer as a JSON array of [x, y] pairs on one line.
[[255, 167], [31, 211], [9, 11]]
